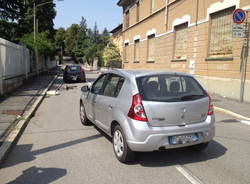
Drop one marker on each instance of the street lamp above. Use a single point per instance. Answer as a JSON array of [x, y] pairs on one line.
[[36, 27]]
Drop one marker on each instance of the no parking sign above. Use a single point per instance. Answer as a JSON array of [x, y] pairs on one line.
[[238, 29], [239, 16]]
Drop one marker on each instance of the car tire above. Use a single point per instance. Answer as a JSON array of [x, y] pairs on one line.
[[200, 147], [83, 117], [121, 149]]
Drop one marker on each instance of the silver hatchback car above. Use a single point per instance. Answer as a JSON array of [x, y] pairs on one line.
[[146, 111]]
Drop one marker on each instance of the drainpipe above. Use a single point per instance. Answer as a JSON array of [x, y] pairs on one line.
[[166, 14], [197, 12]]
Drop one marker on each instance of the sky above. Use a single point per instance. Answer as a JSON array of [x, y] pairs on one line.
[[105, 13]]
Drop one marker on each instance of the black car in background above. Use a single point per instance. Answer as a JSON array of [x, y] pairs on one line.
[[74, 73]]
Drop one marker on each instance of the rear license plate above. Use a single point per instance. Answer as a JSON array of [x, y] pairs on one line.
[[74, 78], [183, 139]]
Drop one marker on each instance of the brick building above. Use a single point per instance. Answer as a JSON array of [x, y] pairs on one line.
[[192, 36], [117, 38]]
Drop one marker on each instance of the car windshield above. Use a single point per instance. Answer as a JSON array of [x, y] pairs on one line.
[[169, 88]]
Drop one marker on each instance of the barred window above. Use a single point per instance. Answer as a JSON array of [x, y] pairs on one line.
[[151, 48], [181, 36], [137, 51], [221, 34]]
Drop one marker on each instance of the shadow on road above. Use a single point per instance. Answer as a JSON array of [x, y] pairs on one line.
[[229, 121], [26, 155], [39, 175]]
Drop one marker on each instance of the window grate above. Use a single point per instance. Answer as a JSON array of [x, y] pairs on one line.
[[221, 34]]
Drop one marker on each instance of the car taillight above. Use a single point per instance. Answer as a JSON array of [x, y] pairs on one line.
[[210, 105], [137, 111]]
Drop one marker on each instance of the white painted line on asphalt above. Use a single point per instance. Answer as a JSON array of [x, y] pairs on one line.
[[245, 122], [221, 110], [187, 174]]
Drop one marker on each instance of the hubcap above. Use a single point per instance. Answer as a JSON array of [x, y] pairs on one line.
[[118, 143], [82, 113]]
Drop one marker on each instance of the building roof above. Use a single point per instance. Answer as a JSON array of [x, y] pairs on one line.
[[118, 28], [120, 2]]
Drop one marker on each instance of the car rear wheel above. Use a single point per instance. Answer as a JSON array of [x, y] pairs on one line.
[[122, 151], [83, 116], [199, 147], [65, 80]]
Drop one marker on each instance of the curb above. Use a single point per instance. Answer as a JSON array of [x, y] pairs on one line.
[[231, 113], [16, 132]]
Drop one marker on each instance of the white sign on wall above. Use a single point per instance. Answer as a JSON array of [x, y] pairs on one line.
[[238, 31]]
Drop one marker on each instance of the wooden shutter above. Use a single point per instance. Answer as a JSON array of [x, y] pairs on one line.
[[151, 48], [137, 50], [221, 34], [181, 36]]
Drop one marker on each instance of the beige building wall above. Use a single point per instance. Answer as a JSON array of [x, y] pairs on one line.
[[117, 39], [219, 75]]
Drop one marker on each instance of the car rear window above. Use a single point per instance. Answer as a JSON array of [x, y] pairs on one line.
[[74, 68], [169, 88]]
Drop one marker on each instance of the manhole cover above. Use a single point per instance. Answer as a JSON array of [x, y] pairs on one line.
[[12, 112]]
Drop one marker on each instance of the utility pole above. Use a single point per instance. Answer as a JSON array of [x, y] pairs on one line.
[[36, 29], [1, 74], [244, 57], [35, 34]]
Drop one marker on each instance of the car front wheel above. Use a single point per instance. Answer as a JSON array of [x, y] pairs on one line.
[[121, 149]]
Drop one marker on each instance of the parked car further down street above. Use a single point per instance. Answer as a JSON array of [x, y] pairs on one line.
[[74, 73], [145, 111]]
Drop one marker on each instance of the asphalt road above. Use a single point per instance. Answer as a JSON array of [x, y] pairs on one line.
[[56, 148]]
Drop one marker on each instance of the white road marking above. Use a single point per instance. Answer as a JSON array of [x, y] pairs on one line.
[[187, 174], [245, 122]]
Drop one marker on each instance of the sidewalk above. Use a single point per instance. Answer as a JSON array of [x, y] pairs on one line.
[[13, 106], [232, 107]]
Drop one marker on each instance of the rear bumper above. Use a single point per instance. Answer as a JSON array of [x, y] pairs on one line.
[[155, 138], [74, 77]]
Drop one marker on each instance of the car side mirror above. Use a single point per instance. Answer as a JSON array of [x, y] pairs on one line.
[[85, 89]]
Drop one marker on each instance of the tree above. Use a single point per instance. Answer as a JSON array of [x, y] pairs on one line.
[[71, 41], [112, 57], [10, 14], [16, 18], [105, 32], [59, 41], [11, 10], [95, 35], [84, 42], [44, 14], [43, 44]]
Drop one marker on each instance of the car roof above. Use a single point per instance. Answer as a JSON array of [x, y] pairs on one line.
[[73, 65], [133, 73]]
